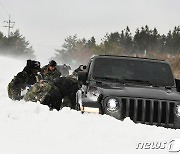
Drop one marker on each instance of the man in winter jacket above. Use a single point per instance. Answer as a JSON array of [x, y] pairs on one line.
[[50, 71]]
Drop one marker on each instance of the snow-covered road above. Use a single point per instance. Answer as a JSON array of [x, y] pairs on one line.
[[30, 128]]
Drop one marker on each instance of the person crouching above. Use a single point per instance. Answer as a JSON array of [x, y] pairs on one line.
[[46, 93]]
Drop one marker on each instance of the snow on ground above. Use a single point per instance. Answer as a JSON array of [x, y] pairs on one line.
[[30, 128]]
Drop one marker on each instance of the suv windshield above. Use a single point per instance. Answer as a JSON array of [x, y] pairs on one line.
[[133, 70]]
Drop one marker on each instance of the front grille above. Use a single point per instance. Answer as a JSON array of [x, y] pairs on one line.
[[149, 111]]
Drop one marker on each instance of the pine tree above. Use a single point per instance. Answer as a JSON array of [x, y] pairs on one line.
[[16, 45]]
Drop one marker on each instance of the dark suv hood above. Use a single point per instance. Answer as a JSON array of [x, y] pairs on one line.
[[139, 92]]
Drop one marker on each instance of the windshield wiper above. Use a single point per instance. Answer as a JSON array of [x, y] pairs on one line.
[[110, 79], [139, 81]]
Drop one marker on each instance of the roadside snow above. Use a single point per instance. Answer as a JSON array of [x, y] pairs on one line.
[[30, 128]]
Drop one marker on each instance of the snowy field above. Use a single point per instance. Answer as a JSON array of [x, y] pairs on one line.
[[30, 128]]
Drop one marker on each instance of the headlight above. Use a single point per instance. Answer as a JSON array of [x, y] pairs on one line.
[[112, 104], [177, 111]]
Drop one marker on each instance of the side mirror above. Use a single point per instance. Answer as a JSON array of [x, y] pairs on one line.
[[82, 76]]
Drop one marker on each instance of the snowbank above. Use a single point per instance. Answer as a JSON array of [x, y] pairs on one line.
[[30, 128]]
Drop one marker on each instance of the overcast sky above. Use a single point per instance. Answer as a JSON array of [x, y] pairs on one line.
[[46, 23]]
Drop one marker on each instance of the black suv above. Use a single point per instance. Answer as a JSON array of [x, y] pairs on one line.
[[140, 88]]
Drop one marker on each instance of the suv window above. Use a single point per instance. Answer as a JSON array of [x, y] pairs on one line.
[[133, 70]]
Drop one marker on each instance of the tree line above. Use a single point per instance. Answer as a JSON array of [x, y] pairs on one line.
[[15, 45], [75, 50], [144, 41]]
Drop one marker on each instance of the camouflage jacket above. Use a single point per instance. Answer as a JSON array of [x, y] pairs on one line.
[[17, 84], [38, 91], [50, 75]]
